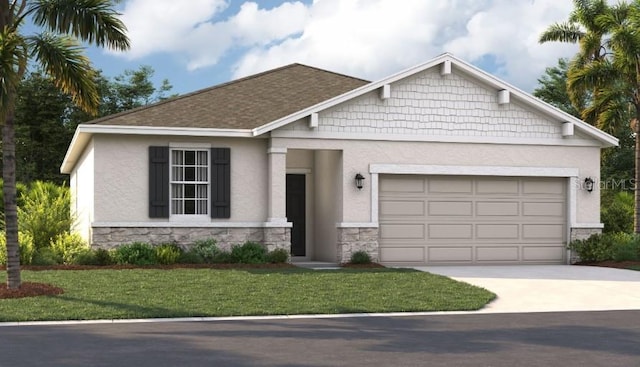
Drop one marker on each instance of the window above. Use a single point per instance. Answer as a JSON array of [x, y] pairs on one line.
[[189, 182]]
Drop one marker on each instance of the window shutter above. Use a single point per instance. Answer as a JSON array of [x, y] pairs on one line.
[[220, 183], [159, 182]]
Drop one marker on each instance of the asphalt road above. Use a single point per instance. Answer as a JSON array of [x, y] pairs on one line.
[[609, 338]]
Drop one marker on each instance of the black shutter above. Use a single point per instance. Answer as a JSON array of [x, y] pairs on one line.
[[159, 182], [220, 183]]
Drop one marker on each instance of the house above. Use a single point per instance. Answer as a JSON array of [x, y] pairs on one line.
[[441, 163]]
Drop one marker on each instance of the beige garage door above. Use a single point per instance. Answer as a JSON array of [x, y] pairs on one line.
[[472, 220]]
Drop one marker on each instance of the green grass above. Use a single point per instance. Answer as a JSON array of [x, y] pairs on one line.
[[634, 267], [149, 293]]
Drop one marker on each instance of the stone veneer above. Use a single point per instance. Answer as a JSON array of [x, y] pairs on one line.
[[352, 239], [581, 234], [272, 237]]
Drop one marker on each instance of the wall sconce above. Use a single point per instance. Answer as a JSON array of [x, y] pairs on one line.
[[359, 181], [588, 184]]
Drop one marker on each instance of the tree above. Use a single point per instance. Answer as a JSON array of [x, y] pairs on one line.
[[612, 74], [46, 118], [553, 89], [57, 50]]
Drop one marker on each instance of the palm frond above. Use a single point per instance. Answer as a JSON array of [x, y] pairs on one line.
[[92, 21], [13, 63], [62, 58], [562, 32]]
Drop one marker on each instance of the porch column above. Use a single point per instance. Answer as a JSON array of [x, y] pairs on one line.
[[277, 209]]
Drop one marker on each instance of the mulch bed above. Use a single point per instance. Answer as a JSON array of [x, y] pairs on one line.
[[612, 264], [29, 289]]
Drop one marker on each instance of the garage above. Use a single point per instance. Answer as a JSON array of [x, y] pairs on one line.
[[472, 219]]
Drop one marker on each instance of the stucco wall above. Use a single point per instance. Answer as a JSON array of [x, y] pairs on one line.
[[121, 176], [358, 155], [82, 190], [328, 205]]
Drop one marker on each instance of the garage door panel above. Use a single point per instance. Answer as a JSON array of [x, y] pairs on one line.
[[402, 231], [543, 231], [450, 254], [472, 220], [448, 186], [543, 253], [498, 253], [497, 208], [497, 231], [450, 208], [543, 209], [402, 254], [403, 184], [544, 187], [397, 208], [450, 231], [492, 187]]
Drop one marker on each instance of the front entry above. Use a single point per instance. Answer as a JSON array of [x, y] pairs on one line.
[[296, 210]]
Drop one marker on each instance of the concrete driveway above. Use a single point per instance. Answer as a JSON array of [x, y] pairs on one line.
[[545, 288]]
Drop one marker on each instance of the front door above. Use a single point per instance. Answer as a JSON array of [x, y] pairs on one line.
[[296, 213]]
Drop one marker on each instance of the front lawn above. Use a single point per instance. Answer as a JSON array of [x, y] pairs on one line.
[[155, 293]]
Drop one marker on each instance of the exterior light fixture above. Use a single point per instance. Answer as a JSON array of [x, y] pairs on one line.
[[588, 184], [359, 181]]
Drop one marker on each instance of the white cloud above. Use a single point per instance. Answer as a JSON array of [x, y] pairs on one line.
[[365, 38]]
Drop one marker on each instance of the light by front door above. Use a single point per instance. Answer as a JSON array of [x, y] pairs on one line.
[[296, 210]]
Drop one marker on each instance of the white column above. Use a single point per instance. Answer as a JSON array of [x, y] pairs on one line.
[[277, 189]]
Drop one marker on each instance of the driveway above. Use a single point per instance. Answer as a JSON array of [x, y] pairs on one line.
[[543, 288]]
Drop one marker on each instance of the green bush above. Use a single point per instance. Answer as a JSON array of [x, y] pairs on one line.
[[628, 250], [207, 250], [249, 253], [360, 257], [45, 212], [223, 257], [27, 249], [190, 257], [103, 257], [168, 253], [45, 257], [85, 257], [135, 253], [617, 212], [278, 256], [67, 246]]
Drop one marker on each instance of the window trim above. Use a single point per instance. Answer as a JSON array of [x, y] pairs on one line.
[[190, 217]]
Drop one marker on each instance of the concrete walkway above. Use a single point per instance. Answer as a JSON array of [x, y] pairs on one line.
[[545, 288]]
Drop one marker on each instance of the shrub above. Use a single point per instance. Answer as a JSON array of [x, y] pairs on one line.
[[135, 253], [190, 257], [278, 256], [103, 257], [45, 212], [45, 257], [592, 248], [85, 257], [249, 253], [223, 257], [360, 257], [617, 212], [27, 249], [207, 250], [67, 246], [628, 250], [168, 253]]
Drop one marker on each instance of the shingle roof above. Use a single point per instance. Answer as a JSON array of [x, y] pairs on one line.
[[245, 103]]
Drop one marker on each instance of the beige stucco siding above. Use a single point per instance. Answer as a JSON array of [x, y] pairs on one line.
[[121, 176], [359, 155], [82, 192]]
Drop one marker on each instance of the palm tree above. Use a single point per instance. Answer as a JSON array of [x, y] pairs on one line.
[[58, 51], [608, 69]]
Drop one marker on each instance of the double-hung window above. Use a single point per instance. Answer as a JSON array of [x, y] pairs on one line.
[[189, 182]]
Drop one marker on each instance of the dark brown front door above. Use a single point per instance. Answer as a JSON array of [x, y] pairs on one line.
[[296, 213]]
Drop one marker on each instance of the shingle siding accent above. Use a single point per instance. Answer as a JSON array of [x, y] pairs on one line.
[[433, 105]]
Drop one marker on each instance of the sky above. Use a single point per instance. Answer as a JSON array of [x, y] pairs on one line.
[[200, 43]]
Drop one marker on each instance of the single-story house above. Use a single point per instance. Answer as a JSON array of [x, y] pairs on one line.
[[441, 163]]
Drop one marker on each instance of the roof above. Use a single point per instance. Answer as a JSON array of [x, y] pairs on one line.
[[245, 103]]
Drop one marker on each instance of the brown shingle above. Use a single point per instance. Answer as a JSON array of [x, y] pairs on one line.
[[245, 103]]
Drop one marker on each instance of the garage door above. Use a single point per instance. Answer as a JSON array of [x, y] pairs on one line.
[[472, 220]]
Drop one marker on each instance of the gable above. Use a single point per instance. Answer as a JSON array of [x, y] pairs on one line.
[[521, 119]]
